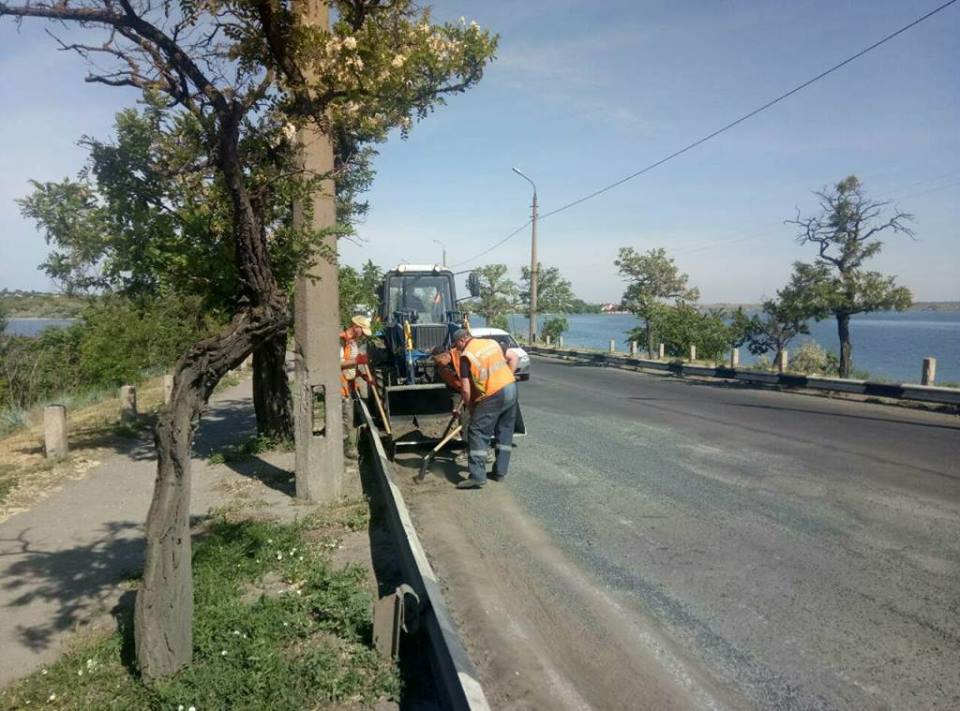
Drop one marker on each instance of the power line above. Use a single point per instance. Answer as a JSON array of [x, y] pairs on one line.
[[490, 249], [727, 127]]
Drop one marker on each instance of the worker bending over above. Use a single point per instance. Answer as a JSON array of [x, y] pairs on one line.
[[350, 358], [489, 390]]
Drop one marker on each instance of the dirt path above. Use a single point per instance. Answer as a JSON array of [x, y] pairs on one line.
[[67, 561], [540, 632]]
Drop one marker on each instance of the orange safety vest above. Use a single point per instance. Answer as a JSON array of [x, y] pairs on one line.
[[349, 349], [489, 371]]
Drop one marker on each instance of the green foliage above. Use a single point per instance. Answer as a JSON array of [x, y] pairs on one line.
[[276, 626], [498, 321], [554, 293], [845, 235], [579, 306], [652, 278], [682, 325], [498, 294], [115, 343], [812, 359], [782, 319], [358, 290], [555, 327]]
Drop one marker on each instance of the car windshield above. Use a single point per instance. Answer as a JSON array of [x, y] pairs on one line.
[[505, 340], [428, 295]]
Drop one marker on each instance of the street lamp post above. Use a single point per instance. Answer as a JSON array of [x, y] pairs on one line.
[[436, 241], [533, 261]]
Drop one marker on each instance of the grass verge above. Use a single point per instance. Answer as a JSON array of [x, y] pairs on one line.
[[275, 627]]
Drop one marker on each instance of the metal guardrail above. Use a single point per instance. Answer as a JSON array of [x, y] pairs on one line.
[[456, 677], [903, 391]]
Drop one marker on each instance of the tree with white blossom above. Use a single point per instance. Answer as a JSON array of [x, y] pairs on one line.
[[236, 67]]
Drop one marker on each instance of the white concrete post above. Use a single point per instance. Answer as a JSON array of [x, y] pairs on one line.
[[783, 361], [633, 349], [661, 353], [613, 345], [735, 358], [55, 432], [167, 389], [928, 375], [547, 339], [128, 402], [560, 342], [693, 352]]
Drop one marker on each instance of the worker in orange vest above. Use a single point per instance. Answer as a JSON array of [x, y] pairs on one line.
[[489, 390], [351, 357]]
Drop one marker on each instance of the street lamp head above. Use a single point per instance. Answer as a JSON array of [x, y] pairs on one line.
[[525, 177]]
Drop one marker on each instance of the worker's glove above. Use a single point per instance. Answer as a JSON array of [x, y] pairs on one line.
[[362, 359]]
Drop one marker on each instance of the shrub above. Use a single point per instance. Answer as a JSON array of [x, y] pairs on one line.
[[680, 326], [555, 326], [811, 359], [115, 343]]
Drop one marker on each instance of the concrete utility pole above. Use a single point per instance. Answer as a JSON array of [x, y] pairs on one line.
[[444, 247], [533, 261], [319, 425]]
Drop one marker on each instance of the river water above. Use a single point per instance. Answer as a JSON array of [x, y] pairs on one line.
[[888, 345]]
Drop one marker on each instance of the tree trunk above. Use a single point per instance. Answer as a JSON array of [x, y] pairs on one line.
[[648, 329], [846, 348], [271, 390], [164, 607]]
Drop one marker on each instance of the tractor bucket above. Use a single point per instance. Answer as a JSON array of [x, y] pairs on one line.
[[418, 413]]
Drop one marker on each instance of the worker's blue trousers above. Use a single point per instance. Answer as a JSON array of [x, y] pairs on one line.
[[493, 416]]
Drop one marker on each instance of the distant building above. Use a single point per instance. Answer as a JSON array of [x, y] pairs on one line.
[[611, 309]]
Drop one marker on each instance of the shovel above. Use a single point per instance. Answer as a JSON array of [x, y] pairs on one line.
[[448, 435]]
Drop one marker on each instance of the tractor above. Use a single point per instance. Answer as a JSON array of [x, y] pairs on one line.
[[420, 312]]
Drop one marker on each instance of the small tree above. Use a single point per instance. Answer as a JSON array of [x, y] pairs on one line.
[[652, 278], [554, 327], [683, 325], [235, 68], [554, 293], [845, 233], [358, 290], [498, 294], [782, 320]]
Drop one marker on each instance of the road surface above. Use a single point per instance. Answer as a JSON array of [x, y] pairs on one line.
[[767, 549]]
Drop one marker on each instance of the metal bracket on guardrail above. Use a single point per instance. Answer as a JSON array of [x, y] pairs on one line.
[[393, 614]]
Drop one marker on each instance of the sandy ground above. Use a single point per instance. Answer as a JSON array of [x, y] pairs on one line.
[[541, 634]]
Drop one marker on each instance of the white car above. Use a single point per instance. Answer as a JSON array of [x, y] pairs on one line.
[[509, 343]]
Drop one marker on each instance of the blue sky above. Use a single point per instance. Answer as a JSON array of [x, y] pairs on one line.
[[584, 93]]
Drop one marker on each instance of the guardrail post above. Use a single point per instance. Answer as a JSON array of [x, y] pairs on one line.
[[613, 345], [547, 339], [661, 352], [55, 432], [167, 388], [693, 352], [928, 375], [560, 341], [128, 402], [633, 349], [782, 360], [735, 358]]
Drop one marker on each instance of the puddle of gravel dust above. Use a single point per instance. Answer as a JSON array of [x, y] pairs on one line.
[[540, 632]]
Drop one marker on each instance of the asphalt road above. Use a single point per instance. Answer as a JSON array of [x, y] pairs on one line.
[[804, 551]]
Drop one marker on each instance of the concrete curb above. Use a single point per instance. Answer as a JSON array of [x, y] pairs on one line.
[[905, 391], [457, 681]]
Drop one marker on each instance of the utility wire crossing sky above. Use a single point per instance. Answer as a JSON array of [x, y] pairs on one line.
[[706, 138]]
